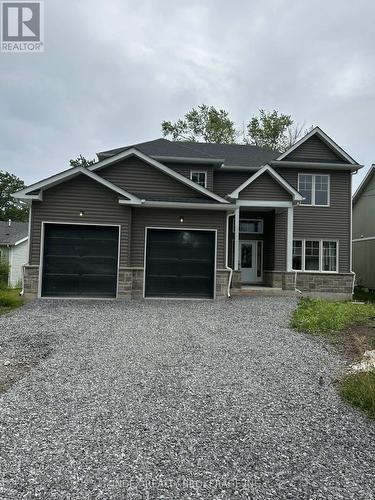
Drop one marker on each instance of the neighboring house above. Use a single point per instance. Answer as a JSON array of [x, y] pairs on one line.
[[172, 219], [14, 249], [364, 231]]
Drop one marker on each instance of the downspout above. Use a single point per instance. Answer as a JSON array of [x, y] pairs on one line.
[[295, 283], [226, 255]]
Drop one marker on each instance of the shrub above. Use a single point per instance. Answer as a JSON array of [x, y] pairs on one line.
[[4, 272], [359, 390]]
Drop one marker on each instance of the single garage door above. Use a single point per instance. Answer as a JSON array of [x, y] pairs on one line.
[[80, 261], [180, 263]]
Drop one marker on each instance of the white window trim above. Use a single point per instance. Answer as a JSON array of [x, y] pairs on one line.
[[303, 270], [194, 171], [313, 190]]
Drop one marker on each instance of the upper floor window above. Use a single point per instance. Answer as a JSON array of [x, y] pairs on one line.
[[199, 177], [314, 188], [250, 226]]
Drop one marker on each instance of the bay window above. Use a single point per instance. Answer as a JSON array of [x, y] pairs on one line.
[[315, 255], [314, 188]]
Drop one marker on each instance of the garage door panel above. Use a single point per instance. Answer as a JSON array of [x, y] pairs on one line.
[[80, 261], [180, 263]]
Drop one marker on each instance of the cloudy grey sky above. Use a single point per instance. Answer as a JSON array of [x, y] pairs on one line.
[[113, 70]]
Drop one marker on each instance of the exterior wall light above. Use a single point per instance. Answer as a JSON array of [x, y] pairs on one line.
[[181, 220], [81, 213]]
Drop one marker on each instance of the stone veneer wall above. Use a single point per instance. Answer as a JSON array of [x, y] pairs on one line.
[[315, 283], [130, 283], [30, 282], [325, 283]]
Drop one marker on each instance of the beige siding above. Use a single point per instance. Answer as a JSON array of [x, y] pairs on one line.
[[314, 149], [63, 203], [193, 219], [331, 222], [363, 262], [363, 213], [136, 176], [265, 188]]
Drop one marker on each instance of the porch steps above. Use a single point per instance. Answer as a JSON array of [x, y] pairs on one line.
[[262, 291]]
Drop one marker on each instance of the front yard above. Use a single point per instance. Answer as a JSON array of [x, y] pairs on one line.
[[9, 299], [350, 327]]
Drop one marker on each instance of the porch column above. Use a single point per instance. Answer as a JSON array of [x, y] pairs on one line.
[[289, 241], [236, 237]]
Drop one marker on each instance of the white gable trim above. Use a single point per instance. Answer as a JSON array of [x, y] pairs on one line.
[[157, 165], [266, 168], [318, 131], [70, 174]]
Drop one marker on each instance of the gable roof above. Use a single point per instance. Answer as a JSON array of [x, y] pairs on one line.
[[365, 182], [163, 168], [268, 169], [318, 132], [66, 175], [28, 193], [235, 155], [13, 234]]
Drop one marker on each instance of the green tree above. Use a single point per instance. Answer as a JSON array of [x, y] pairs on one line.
[[270, 130], [205, 124], [81, 161], [10, 208]]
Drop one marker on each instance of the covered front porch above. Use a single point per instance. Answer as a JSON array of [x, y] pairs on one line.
[[260, 244]]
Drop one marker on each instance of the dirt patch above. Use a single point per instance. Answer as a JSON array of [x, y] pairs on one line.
[[19, 357], [354, 340], [11, 372]]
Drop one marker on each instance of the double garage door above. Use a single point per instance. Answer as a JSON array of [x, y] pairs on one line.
[[82, 261]]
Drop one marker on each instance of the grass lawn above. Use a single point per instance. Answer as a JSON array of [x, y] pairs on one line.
[[350, 327], [9, 299]]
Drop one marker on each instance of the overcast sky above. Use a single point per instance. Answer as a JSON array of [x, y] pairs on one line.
[[113, 70]]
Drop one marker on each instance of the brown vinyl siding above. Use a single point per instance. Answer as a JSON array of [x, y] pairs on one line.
[[226, 181], [185, 169], [136, 176], [314, 150], [331, 222], [170, 218], [281, 224], [265, 188], [63, 203]]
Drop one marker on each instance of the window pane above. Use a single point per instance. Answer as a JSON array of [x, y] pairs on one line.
[[305, 188], [329, 256], [321, 190], [297, 255], [199, 178], [251, 226], [312, 255]]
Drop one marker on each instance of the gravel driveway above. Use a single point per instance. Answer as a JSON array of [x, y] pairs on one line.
[[171, 400]]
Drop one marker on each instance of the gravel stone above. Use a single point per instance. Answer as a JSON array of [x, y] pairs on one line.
[[177, 400]]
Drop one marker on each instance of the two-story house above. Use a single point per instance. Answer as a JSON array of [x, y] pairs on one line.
[[191, 220]]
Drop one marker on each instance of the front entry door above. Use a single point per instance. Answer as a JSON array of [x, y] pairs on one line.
[[250, 260]]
